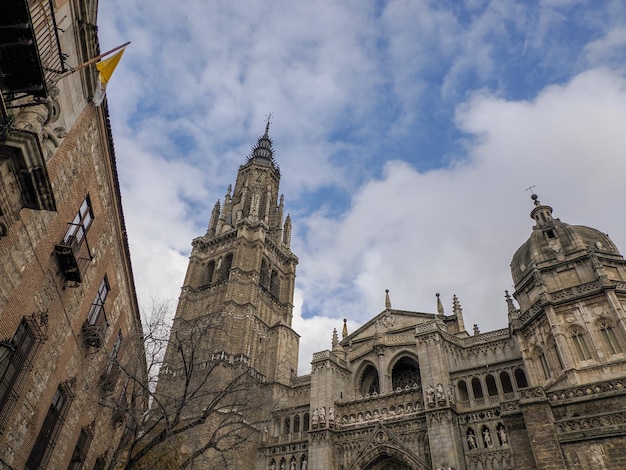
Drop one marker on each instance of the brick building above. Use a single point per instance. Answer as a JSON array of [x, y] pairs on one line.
[[70, 329], [411, 390]]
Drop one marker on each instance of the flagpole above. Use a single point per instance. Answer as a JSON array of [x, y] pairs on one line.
[[91, 61]]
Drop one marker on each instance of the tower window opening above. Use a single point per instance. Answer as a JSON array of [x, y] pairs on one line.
[[610, 339], [210, 272], [550, 233], [580, 344], [227, 263], [544, 364]]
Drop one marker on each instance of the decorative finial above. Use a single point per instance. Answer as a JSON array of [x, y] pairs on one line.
[[267, 125], [509, 303], [456, 306], [439, 305], [344, 332], [533, 196], [476, 329], [387, 300], [335, 338]]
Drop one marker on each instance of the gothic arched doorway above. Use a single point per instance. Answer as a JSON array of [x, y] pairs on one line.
[[386, 462]]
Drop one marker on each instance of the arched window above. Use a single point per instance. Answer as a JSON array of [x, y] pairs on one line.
[[477, 388], [505, 381], [369, 382], [287, 425], [462, 386], [305, 422], [227, 263], [209, 272], [580, 344], [405, 373], [554, 352], [296, 423], [520, 378], [265, 275], [544, 364], [275, 284], [492, 389], [610, 339]]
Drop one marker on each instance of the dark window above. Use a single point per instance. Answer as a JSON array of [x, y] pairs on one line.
[[227, 263], [264, 280], [305, 422], [80, 224], [21, 346], [296, 423], [98, 304], [505, 381], [80, 450], [463, 396], [275, 284], [210, 272], [100, 464], [477, 388], [369, 382], [49, 432], [520, 378], [492, 389]]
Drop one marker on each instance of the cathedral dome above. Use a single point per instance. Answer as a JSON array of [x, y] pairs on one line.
[[554, 241]]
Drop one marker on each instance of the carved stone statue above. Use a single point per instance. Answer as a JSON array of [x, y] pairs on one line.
[[331, 415], [430, 395], [504, 440], [315, 418], [322, 412], [471, 440], [487, 438], [441, 397]]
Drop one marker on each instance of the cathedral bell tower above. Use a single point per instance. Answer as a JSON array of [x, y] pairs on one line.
[[242, 272], [570, 283]]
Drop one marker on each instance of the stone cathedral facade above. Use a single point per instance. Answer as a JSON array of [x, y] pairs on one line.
[[414, 390]]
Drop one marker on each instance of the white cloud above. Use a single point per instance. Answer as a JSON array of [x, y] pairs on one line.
[[455, 230]]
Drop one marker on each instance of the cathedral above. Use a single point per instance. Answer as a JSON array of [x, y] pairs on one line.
[[408, 389]]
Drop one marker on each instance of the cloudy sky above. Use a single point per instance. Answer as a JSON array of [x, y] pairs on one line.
[[406, 131]]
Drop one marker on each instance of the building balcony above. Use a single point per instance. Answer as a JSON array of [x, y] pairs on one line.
[[93, 334], [74, 254]]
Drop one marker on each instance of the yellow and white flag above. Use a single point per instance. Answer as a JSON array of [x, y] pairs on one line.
[[106, 68]]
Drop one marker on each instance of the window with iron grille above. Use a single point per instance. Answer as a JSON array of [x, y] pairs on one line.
[[48, 434], [21, 347], [80, 450]]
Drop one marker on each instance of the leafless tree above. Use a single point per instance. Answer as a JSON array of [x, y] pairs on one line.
[[206, 404]]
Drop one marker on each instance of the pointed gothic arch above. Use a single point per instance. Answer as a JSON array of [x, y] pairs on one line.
[[405, 371], [368, 380], [384, 451]]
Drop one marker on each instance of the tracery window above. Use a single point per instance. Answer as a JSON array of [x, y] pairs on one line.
[[505, 381], [580, 344], [405, 373], [544, 364], [610, 339]]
